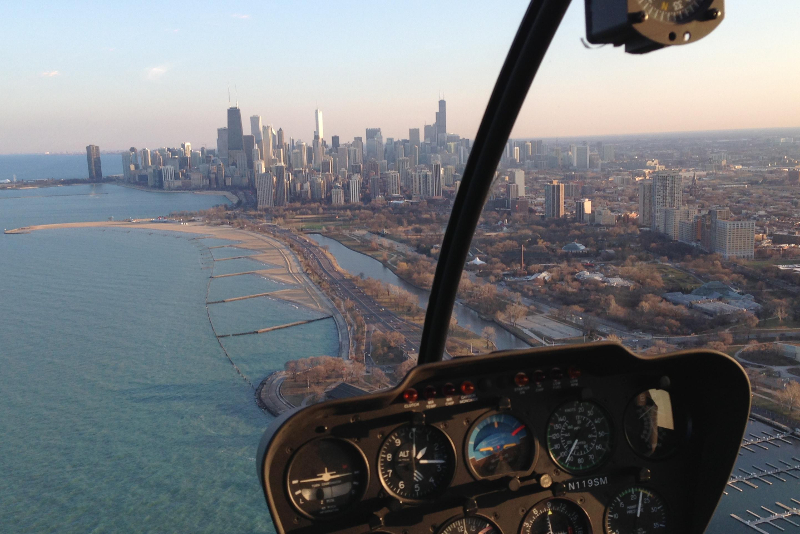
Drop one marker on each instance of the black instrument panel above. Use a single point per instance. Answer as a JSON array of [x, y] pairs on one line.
[[590, 439]]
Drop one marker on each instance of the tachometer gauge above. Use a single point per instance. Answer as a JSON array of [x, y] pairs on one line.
[[326, 476], [499, 444], [556, 516], [636, 511], [650, 424], [416, 462], [470, 525], [579, 436]]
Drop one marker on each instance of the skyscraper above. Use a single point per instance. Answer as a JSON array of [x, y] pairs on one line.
[[266, 141], [441, 124], [256, 129], [93, 161], [554, 200], [145, 158], [318, 118], [646, 203], [581, 157], [222, 144], [413, 136], [235, 132]]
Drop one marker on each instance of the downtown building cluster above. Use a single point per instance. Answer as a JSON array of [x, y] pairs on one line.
[[283, 170]]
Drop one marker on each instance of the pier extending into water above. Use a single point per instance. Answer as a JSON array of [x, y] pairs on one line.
[[273, 328], [784, 515]]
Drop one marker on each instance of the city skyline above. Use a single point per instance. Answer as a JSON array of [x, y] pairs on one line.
[[89, 94]]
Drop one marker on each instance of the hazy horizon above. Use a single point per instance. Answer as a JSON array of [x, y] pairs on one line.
[[91, 74]]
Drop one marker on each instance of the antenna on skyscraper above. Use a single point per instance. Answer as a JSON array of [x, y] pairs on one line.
[[229, 94], [236, 90]]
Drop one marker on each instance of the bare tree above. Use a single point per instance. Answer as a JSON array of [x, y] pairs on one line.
[[790, 395], [489, 335]]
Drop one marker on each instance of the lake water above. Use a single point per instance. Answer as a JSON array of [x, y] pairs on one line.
[[120, 412], [356, 264], [57, 166]]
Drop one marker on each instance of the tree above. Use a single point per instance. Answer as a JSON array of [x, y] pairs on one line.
[[516, 312], [488, 335], [790, 395]]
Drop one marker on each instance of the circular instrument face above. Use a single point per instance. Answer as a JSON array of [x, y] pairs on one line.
[[673, 11], [499, 444], [416, 462], [636, 511], [470, 525], [326, 476], [556, 516], [579, 436], [650, 425]]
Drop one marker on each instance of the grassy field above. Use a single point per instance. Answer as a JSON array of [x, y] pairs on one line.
[[773, 322], [676, 280]]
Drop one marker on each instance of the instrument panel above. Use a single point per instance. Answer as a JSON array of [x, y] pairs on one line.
[[580, 440]]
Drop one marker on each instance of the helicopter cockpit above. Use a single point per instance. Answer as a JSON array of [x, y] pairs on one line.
[[578, 439]]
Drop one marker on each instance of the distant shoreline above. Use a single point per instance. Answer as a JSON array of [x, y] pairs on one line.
[[21, 186]]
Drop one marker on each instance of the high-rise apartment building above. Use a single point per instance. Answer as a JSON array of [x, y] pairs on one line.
[[281, 195], [667, 193], [581, 157], [518, 177], [145, 158], [392, 183], [583, 210], [646, 203], [93, 162], [554, 200], [337, 195], [235, 132], [735, 239], [265, 188], [354, 189]]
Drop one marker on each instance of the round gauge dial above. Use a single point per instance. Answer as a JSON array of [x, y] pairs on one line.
[[499, 444], [650, 424], [470, 525], [416, 462], [579, 436], [556, 516], [636, 511], [326, 476], [675, 11]]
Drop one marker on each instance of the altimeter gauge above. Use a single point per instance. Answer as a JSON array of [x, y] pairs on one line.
[[579, 436], [416, 462]]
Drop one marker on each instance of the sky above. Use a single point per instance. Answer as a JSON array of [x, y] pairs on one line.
[[151, 74]]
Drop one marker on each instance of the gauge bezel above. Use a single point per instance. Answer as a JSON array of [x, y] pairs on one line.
[[458, 517], [521, 419], [682, 426], [585, 514], [659, 31], [338, 514], [611, 439], [616, 494], [411, 500]]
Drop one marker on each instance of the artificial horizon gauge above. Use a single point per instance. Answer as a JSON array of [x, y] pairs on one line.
[[416, 462], [499, 444], [556, 515], [636, 510], [579, 436], [326, 476], [470, 525]]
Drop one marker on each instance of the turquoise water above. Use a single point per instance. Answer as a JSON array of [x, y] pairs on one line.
[[120, 412]]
